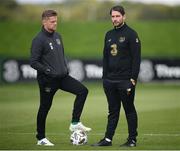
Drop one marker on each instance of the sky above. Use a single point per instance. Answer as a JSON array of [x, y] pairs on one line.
[[167, 2]]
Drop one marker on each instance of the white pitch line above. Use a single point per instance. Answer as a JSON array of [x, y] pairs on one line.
[[89, 150], [176, 135], [96, 134]]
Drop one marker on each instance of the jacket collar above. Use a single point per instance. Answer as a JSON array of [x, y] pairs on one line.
[[46, 32]]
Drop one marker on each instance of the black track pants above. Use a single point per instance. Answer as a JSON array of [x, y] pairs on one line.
[[48, 88], [116, 92]]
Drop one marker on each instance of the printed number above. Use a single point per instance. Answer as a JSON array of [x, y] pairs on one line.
[[114, 50]]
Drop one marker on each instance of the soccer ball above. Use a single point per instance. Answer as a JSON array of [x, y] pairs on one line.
[[78, 137]]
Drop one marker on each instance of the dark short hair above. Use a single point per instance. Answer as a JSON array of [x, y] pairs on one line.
[[48, 13], [118, 8]]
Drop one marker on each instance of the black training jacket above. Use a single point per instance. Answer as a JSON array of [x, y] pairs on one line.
[[47, 54], [122, 54]]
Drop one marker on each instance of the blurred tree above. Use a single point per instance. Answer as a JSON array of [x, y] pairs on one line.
[[87, 10], [175, 12], [7, 8], [159, 12], [103, 10]]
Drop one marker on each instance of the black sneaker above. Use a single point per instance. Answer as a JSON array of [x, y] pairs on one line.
[[102, 142], [129, 143]]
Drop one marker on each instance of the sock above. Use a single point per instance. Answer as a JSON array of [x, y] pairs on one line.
[[74, 121]]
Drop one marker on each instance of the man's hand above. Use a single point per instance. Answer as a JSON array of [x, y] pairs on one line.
[[133, 82]]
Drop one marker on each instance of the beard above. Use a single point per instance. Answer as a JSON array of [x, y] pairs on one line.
[[117, 24], [52, 29]]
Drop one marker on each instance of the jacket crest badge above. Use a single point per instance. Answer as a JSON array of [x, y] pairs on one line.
[[58, 41], [122, 39]]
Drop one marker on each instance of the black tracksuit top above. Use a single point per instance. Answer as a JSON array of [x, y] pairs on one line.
[[47, 52], [122, 54]]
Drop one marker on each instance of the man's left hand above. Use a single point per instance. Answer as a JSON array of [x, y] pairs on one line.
[[133, 82]]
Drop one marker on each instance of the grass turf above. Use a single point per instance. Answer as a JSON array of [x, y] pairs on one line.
[[158, 108]]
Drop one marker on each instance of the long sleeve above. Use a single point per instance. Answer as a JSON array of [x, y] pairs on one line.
[[36, 53], [135, 50], [105, 58]]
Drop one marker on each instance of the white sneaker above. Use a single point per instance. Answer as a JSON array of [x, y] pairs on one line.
[[45, 142], [79, 126]]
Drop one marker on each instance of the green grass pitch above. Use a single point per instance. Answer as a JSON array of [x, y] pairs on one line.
[[158, 107]]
